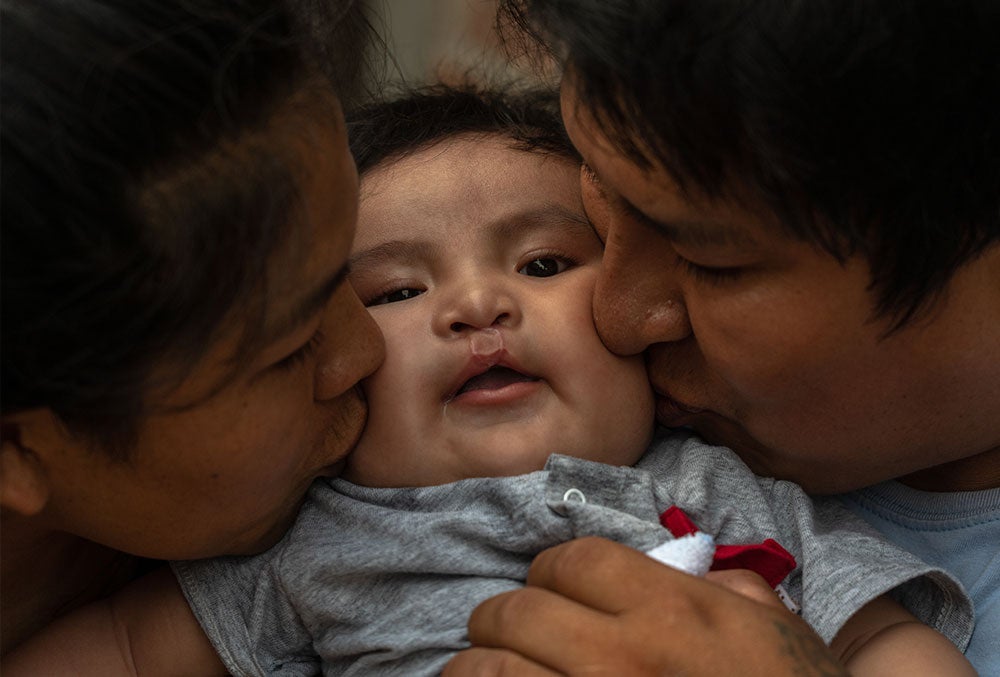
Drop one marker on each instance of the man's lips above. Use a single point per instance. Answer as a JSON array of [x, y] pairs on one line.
[[670, 412]]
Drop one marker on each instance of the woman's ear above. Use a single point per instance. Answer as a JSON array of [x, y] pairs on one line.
[[24, 482]]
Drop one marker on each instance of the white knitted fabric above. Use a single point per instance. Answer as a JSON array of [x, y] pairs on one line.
[[691, 553]]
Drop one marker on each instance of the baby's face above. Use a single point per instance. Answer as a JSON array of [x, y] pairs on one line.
[[478, 264]]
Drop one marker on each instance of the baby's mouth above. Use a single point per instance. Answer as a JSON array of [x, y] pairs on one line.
[[494, 378]]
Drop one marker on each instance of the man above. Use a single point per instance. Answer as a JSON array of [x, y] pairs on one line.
[[800, 204]]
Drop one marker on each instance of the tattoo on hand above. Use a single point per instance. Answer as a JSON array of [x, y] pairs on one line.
[[808, 656]]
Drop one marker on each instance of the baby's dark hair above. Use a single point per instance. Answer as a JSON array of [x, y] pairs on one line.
[[416, 118]]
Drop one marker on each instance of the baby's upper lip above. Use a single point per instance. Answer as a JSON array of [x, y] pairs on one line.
[[478, 364]]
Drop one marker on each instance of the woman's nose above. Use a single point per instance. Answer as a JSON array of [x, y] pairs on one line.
[[638, 300], [352, 347], [476, 303]]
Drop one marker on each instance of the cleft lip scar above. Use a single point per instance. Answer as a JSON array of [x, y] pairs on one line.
[[487, 344]]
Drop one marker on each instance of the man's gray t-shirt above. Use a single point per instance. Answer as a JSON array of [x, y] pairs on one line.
[[382, 581]]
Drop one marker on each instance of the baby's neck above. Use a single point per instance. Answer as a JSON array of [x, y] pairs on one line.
[[46, 573]]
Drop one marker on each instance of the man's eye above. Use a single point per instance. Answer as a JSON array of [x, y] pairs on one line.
[[709, 274], [543, 267], [395, 296]]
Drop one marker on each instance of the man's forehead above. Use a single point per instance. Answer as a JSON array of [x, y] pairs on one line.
[[653, 195]]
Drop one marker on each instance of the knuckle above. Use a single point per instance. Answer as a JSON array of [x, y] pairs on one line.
[[478, 662], [582, 554], [482, 662], [501, 613], [744, 582]]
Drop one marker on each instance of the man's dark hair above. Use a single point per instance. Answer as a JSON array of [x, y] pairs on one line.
[[414, 119], [866, 127], [140, 206]]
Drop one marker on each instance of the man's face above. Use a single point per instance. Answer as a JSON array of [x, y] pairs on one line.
[[768, 345], [478, 266]]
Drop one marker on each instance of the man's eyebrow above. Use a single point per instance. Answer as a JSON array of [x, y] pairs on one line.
[[682, 231], [307, 306], [693, 233]]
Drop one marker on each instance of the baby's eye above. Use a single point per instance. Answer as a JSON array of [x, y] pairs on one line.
[[394, 296], [543, 267]]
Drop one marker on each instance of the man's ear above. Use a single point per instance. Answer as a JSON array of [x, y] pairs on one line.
[[24, 481]]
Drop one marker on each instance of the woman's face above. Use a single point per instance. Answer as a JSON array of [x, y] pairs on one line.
[[226, 474]]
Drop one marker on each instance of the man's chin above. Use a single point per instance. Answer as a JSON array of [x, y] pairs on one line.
[[722, 432]]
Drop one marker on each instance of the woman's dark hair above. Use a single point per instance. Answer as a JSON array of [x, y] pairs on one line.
[[141, 199], [867, 127], [413, 119]]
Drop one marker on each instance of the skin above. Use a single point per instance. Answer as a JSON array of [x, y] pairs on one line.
[[513, 265], [497, 264], [211, 474], [767, 345], [506, 276]]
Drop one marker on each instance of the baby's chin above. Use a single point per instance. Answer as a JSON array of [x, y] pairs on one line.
[[501, 452], [480, 462]]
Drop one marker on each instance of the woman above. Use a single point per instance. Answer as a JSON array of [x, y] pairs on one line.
[[180, 348]]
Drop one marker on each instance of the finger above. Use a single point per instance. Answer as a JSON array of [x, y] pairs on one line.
[[747, 583], [581, 570], [670, 623], [556, 632], [486, 662]]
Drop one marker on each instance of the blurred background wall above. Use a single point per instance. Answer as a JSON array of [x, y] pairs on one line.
[[446, 40]]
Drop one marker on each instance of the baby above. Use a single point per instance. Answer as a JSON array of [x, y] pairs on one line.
[[500, 425]]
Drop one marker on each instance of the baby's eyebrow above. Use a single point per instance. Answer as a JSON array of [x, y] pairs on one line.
[[394, 250], [553, 217]]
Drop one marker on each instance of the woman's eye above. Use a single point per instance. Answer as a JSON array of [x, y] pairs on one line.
[[395, 296], [300, 356], [543, 267]]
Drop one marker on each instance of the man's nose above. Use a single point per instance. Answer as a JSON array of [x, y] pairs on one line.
[[638, 300]]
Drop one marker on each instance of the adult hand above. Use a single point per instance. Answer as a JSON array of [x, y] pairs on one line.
[[595, 607]]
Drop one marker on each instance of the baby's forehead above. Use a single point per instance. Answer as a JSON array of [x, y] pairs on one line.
[[463, 146], [468, 176], [480, 186]]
